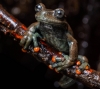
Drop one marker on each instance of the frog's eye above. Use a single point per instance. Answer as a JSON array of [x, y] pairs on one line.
[[59, 13], [38, 7]]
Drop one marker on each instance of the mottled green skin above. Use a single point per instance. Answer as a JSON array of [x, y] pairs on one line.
[[59, 35]]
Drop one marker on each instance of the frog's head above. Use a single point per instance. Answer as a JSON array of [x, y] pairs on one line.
[[56, 16]]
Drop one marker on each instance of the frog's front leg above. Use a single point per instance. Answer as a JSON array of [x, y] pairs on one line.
[[60, 63], [30, 35], [67, 60]]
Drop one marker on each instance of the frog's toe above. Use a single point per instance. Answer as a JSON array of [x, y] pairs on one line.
[[23, 50], [57, 64], [57, 59], [36, 49], [22, 41], [84, 66], [57, 69]]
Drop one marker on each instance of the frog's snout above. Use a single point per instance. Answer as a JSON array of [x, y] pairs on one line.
[[40, 16]]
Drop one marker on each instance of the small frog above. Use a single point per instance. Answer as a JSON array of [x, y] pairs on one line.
[[51, 26]]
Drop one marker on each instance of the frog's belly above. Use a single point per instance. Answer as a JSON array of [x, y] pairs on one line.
[[59, 44]]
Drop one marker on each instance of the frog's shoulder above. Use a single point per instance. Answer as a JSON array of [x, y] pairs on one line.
[[69, 29]]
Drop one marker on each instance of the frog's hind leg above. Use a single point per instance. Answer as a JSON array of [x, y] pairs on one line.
[[66, 82]]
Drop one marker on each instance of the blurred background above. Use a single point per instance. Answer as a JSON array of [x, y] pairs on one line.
[[21, 70]]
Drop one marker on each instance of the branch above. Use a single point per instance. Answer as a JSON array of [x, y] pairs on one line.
[[10, 25]]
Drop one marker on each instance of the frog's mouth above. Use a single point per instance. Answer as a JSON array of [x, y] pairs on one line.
[[50, 20]]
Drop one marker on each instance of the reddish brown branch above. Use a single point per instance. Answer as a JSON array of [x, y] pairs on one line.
[[17, 29]]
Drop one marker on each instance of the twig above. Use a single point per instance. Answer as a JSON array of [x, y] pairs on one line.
[[91, 80]]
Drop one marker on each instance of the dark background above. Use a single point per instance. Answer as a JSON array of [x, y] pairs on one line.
[[19, 69]]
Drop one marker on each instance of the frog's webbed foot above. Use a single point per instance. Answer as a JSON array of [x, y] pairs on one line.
[[60, 63], [27, 39]]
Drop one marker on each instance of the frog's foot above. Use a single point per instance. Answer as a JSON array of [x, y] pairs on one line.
[[35, 42], [26, 41], [60, 63], [66, 82], [82, 64]]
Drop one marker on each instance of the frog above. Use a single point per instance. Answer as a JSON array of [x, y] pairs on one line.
[[52, 27]]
